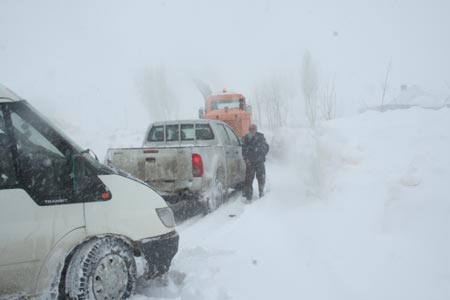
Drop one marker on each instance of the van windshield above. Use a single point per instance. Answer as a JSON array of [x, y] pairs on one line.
[[68, 140], [58, 142]]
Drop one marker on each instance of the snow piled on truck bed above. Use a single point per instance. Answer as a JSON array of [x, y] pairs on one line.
[[357, 209]]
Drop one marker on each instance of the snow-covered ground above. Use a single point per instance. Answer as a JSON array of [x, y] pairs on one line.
[[357, 209]]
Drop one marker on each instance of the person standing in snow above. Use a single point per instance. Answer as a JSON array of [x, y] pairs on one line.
[[254, 151]]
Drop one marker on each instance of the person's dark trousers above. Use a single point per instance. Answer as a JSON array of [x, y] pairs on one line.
[[252, 169]]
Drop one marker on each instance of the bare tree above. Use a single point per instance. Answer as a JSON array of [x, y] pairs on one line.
[[269, 102], [328, 101], [157, 95], [385, 85], [310, 87], [257, 106]]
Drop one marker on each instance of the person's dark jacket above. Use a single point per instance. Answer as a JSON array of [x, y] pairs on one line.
[[254, 148]]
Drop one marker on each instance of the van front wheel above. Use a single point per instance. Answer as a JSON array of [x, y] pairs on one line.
[[101, 269]]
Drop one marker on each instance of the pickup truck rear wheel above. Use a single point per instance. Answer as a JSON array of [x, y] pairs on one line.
[[101, 269], [216, 196]]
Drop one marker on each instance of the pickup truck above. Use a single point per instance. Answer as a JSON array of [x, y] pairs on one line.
[[193, 160]]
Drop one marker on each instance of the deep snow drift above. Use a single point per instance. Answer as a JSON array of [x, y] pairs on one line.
[[357, 209]]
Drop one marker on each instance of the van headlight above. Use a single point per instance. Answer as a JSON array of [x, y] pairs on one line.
[[165, 214]]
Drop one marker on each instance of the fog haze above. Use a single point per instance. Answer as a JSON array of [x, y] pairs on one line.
[[85, 61]]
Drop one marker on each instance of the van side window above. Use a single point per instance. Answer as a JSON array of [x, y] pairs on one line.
[[7, 171], [187, 132], [172, 132], [234, 139], [203, 132], [156, 134], [44, 170]]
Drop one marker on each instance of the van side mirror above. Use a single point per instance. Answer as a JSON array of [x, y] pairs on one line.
[[91, 153]]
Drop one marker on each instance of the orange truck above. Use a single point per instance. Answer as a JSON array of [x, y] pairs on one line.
[[230, 108]]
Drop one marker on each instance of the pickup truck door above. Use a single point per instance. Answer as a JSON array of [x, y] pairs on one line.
[[229, 154], [238, 171]]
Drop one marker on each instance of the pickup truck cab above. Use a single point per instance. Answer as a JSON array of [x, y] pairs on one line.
[[195, 160], [71, 227]]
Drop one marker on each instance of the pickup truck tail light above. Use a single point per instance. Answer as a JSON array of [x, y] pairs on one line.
[[197, 165]]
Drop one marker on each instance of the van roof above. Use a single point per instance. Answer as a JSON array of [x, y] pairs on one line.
[[6, 95]]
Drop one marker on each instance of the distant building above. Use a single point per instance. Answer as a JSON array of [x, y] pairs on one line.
[[409, 97]]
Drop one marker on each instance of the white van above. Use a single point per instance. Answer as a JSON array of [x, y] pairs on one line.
[[70, 227]]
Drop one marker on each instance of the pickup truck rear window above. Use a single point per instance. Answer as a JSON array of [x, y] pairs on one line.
[[156, 134], [203, 132], [172, 132], [187, 132]]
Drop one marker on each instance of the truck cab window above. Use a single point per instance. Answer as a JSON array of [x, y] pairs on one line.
[[230, 104], [7, 171], [44, 170], [203, 132], [187, 132], [156, 134], [233, 137], [172, 132], [223, 134]]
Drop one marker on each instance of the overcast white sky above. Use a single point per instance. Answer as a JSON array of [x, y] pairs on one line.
[[79, 60]]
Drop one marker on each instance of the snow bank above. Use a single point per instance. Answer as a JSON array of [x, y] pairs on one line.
[[371, 221], [388, 203]]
